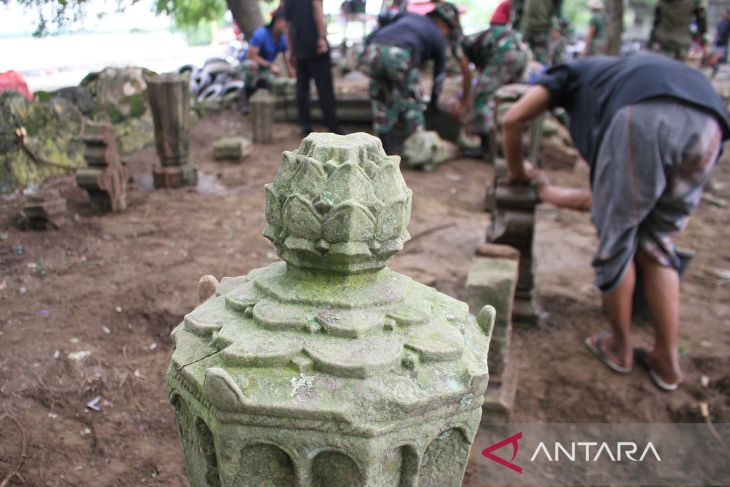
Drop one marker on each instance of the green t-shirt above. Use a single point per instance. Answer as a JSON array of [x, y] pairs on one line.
[[598, 43]]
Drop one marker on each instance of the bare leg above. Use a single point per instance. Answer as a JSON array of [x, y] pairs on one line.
[[617, 303], [661, 288]]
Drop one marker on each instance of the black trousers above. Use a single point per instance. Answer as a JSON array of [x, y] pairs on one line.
[[319, 69]]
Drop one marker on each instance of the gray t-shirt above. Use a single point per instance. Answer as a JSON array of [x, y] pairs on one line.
[[593, 89]]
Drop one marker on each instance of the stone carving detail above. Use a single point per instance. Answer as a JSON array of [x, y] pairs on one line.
[[104, 177], [329, 369]]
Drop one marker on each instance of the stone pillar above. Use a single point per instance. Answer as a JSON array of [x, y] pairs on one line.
[[329, 368], [513, 208], [262, 115], [103, 177], [493, 279], [169, 99], [513, 224]]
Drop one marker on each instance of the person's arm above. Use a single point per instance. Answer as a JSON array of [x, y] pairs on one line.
[[253, 55], [321, 26], [532, 104], [465, 86], [571, 198]]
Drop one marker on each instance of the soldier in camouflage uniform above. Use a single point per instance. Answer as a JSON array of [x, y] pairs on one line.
[[671, 34], [501, 57], [596, 39], [536, 24], [393, 56], [562, 35]]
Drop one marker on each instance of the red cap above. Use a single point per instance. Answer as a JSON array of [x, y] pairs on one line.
[[502, 14]]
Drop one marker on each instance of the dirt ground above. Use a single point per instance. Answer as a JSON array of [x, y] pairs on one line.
[[86, 310]]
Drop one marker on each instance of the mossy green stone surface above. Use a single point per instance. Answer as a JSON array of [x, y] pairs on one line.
[[329, 369], [51, 127]]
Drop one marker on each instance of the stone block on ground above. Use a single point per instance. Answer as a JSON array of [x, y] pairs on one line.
[[497, 251], [263, 104], [232, 148], [499, 401], [104, 177], [426, 150], [493, 281], [44, 210]]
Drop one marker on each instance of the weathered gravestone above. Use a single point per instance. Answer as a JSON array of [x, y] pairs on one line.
[[513, 211], [104, 177], [263, 104], [425, 150], [169, 99], [44, 210], [232, 148], [329, 369], [492, 279]]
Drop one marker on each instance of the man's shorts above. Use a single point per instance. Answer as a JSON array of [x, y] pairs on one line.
[[655, 158]]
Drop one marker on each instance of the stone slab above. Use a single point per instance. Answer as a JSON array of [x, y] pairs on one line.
[[493, 281], [499, 400]]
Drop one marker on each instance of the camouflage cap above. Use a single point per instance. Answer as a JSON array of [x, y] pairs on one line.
[[449, 13]]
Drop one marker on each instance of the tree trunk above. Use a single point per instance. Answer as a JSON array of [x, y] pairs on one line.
[[247, 15], [615, 11]]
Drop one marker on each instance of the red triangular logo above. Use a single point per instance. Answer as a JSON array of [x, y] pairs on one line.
[[488, 452]]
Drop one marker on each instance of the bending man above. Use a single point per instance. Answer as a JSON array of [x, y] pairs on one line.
[[650, 129]]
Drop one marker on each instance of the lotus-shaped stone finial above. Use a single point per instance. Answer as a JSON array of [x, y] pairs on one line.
[[338, 203]]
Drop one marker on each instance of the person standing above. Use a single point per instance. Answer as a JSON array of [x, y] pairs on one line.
[[596, 38], [500, 57], [536, 25], [259, 69], [719, 51], [674, 22], [562, 36], [393, 57], [307, 35], [651, 129]]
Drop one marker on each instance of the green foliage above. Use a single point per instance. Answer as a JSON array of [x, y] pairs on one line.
[[190, 13], [53, 15]]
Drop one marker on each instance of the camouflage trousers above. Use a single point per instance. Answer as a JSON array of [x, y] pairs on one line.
[[255, 76], [674, 51], [539, 43], [504, 69], [395, 88]]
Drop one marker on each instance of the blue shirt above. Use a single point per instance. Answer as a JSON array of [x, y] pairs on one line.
[[263, 39]]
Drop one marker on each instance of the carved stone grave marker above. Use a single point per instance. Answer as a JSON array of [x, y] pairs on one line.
[[329, 368]]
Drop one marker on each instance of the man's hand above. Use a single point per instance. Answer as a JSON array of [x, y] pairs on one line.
[[321, 45], [275, 69]]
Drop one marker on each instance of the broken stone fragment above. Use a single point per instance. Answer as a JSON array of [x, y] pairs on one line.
[[232, 148], [426, 150]]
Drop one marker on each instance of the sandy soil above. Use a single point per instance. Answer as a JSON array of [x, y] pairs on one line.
[[111, 288]]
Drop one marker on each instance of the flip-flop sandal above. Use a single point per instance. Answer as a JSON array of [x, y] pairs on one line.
[[640, 356], [599, 353]]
